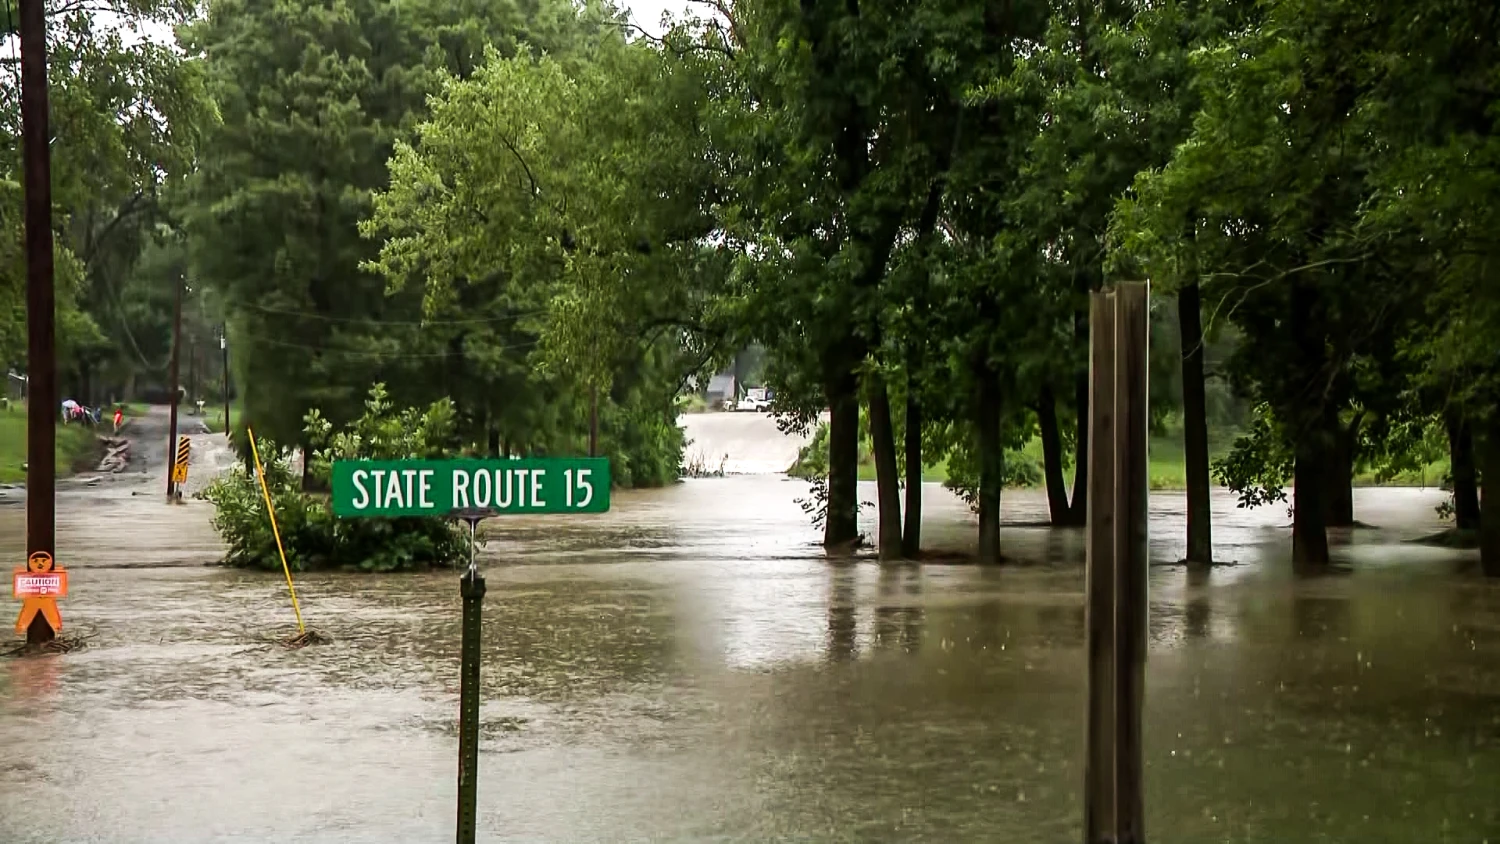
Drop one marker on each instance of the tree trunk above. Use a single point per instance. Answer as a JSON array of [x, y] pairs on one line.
[[1318, 426], [1200, 542], [1309, 504], [1058, 506], [911, 537], [1465, 482], [887, 472], [494, 441], [1080, 508], [1340, 477], [991, 467], [1489, 514], [841, 525]]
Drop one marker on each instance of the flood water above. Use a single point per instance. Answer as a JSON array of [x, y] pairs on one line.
[[689, 667]]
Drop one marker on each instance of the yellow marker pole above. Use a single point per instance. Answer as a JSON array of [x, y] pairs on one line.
[[260, 472]]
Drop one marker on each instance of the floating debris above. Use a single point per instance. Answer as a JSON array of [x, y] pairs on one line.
[[305, 638], [60, 645]]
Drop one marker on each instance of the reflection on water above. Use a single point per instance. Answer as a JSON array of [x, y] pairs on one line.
[[689, 667]]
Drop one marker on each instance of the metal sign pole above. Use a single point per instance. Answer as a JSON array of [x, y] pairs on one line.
[[471, 588]]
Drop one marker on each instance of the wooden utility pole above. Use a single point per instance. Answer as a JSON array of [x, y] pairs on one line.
[[176, 353], [41, 360], [1117, 565]]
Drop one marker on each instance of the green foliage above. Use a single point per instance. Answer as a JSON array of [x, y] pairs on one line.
[[312, 537], [77, 446], [517, 208], [1259, 465], [126, 115], [1022, 471], [315, 97]]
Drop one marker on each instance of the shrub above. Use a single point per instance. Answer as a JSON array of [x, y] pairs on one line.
[[1021, 471], [312, 537]]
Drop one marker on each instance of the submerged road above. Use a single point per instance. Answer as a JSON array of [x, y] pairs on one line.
[[689, 667]]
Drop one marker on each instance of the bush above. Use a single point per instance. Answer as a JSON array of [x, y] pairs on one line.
[[312, 537], [1021, 471]]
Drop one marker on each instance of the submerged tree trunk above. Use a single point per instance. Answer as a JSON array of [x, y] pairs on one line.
[[841, 526], [1489, 514], [1309, 506], [1314, 433], [887, 471], [1080, 507], [1058, 506], [991, 467], [1340, 474], [1465, 480], [1200, 542], [911, 536]]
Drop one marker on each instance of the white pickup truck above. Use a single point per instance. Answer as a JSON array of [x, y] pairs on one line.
[[757, 399]]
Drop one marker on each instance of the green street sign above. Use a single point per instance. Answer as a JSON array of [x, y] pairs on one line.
[[390, 488]]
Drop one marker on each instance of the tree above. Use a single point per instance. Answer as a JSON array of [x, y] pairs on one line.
[[1429, 99], [314, 97], [1262, 201], [586, 272], [126, 115]]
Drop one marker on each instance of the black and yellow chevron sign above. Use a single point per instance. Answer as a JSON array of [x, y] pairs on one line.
[[180, 465]]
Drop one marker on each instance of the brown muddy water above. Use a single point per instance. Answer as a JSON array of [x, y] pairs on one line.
[[689, 667]]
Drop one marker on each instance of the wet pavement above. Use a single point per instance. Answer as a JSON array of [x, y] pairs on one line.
[[689, 667]]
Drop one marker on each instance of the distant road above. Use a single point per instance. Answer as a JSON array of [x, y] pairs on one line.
[[746, 443]]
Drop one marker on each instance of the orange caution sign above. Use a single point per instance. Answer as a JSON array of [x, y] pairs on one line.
[[39, 585]]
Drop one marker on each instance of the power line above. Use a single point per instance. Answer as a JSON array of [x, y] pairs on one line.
[[414, 323], [375, 353]]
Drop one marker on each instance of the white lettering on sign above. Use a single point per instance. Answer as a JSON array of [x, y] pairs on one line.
[[536, 487], [409, 475], [393, 489], [38, 585], [378, 475], [503, 491], [520, 478], [424, 488], [582, 483], [482, 480], [460, 488], [362, 500]]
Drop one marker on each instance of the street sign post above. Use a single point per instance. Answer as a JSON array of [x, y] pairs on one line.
[[443, 488], [471, 490], [471, 591]]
